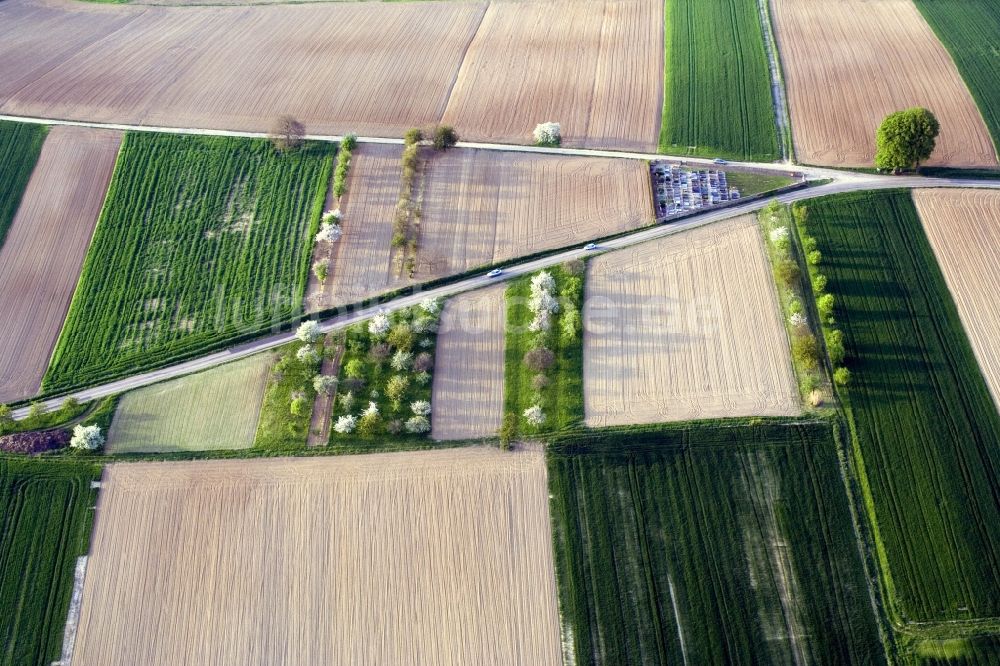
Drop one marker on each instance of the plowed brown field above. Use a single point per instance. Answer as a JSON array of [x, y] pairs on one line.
[[595, 66], [686, 327], [374, 68], [437, 557], [964, 229], [469, 366], [483, 206], [41, 258], [849, 63]]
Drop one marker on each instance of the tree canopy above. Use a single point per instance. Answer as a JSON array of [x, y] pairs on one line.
[[905, 139]]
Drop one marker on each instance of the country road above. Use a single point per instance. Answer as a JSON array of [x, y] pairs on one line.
[[843, 182]]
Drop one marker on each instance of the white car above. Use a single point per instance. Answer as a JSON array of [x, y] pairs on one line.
[[590, 246], [719, 160], [496, 272]]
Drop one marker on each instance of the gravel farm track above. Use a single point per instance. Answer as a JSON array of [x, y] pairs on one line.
[[41, 258], [266, 561], [963, 227], [849, 63]]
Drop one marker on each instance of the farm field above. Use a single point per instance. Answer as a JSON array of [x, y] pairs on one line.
[[602, 77], [708, 545], [482, 207], [262, 561], [924, 425], [970, 30], [963, 227], [45, 509], [718, 83], [686, 327], [849, 63], [201, 239], [214, 409], [20, 145], [361, 261], [469, 366], [48, 240]]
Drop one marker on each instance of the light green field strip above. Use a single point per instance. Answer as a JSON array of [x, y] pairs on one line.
[[216, 409]]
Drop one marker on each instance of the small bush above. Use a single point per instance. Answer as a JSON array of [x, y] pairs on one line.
[[842, 376], [540, 359], [787, 273], [814, 258], [321, 270], [805, 351], [299, 405], [508, 431], [824, 305], [444, 137], [835, 346], [349, 142], [354, 369], [413, 136], [539, 382], [424, 362], [819, 284], [815, 397]]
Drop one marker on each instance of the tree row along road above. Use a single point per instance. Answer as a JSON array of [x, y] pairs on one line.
[[854, 183]]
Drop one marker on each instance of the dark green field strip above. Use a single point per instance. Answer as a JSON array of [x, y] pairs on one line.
[[201, 239], [45, 521], [970, 30], [717, 85], [744, 530], [20, 144], [925, 425]]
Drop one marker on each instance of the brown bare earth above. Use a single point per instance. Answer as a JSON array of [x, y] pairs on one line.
[[686, 327], [361, 261], [595, 66], [41, 258], [482, 207], [369, 67], [469, 366], [964, 229], [849, 63], [436, 557]]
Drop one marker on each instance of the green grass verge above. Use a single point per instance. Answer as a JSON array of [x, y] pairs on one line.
[[924, 426], [561, 399], [278, 429], [201, 239], [45, 521], [704, 543], [749, 183], [717, 85], [970, 30], [20, 145]]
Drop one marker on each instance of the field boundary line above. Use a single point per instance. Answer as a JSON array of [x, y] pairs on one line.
[[779, 97]]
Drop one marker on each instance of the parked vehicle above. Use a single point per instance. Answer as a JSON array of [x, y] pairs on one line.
[[496, 272]]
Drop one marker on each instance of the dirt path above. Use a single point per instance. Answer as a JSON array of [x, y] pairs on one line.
[[319, 426]]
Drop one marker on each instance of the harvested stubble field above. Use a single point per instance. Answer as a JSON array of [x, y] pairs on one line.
[[265, 561], [708, 545], [48, 240], [45, 512], [963, 227], [469, 366], [849, 63], [361, 261], [215, 409], [202, 239], [686, 327], [924, 426], [595, 66], [482, 206]]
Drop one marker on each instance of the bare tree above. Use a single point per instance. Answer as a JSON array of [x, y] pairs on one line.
[[287, 133]]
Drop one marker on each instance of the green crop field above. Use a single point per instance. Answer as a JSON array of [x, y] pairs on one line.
[[924, 423], [970, 30], [717, 85], [201, 240], [20, 144], [708, 544], [45, 520]]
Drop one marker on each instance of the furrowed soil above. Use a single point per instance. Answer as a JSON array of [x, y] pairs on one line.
[[469, 367], [41, 258], [482, 207], [595, 67], [963, 227], [849, 63], [266, 561], [686, 327], [215, 409]]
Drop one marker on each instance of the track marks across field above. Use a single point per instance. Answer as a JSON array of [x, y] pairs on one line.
[[266, 561], [483, 206], [215, 409], [41, 258], [849, 63], [686, 327], [469, 370]]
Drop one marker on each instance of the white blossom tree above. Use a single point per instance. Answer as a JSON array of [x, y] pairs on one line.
[[329, 233], [379, 325], [307, 355], [548, 133], [325, 384], [346, 424], [308, 331], [87, 437], [420, 408], [371, 409], [417, 425], [430, 305], [401, 360], [332, 216], [534, 415]]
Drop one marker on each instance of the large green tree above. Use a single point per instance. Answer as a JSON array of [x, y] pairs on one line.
[[905, 139]]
